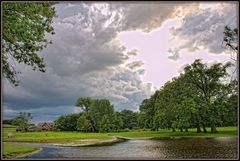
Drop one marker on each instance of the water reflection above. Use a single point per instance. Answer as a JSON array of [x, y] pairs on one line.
[[220, 148]]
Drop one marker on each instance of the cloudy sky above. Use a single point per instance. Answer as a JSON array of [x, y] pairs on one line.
[[122, 51]]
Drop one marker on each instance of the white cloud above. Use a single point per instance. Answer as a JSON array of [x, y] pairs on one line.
[[87, 59], [203, 28], [84, 60]]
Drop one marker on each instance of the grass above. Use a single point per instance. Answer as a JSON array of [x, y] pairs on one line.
[[222, 132], [44, 137], [57, 137], [13, 151], [9, 126]]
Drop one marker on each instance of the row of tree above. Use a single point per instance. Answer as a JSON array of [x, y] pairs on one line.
[[22, 121], [98, 115], [200, 97]]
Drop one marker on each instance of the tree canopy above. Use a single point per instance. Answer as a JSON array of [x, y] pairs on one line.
[[199, 97], [24, 28]]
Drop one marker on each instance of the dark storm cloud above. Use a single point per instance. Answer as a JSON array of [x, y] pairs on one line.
[[86, 59]]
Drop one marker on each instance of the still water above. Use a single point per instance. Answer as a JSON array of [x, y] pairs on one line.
[[189, 148]]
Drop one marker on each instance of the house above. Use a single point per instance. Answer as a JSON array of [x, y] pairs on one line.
[[45, 127]]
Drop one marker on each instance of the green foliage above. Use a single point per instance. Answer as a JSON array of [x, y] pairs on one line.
[[209, 81], [9, 121], [22, 121], [147, 109], [99, 115], [24, 28], [84, 103], [67, 122], [117, 122], [84, 124], [129, 118], [198, 97], [105, 124]]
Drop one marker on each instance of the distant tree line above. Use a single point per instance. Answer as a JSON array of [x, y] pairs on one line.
[[200, 97], [22, 121], [97, 115]]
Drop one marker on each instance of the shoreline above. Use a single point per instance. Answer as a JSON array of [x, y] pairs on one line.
[[77, 143], [115, 139], [103, 142], [27, 154]]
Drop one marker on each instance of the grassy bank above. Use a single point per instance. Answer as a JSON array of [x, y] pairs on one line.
[[15, 151], [48, 137], [61, 137], [222, 132]]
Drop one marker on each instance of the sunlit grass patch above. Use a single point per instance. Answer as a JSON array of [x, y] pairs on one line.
[[12, 151]]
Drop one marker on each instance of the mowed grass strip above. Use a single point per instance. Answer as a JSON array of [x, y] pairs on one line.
[[50, 137], [222, 132], [46, 137], [13, 151]]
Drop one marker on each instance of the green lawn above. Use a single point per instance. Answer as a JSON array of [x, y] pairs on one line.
[[222, 132], [49, 136], [44, 137], [12, 151]]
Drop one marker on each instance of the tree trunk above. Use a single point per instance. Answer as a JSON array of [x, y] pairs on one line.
[[173, 130], [186, 129], [204, 129], [198, 129], [213, 129], [181, 129]]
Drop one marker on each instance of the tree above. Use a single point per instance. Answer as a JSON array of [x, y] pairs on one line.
[[230, 40], [129, 118], [101, 108], [147, 110], [67, 122], [84, 103], [117, 121], [8, 121], [209, 81], [105, 124], [199, 97], [22, 121], [84, 124], [24, 28], [95, 109]]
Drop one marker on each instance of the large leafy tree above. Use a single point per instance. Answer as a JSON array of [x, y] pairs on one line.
[[24, 27], [98, 113], [209, 80], [199, 97], [67, 122]]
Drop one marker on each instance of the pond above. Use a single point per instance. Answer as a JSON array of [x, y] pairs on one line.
[[184, 148]]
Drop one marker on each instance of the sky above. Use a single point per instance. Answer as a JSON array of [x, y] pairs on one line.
[[121, 51]]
